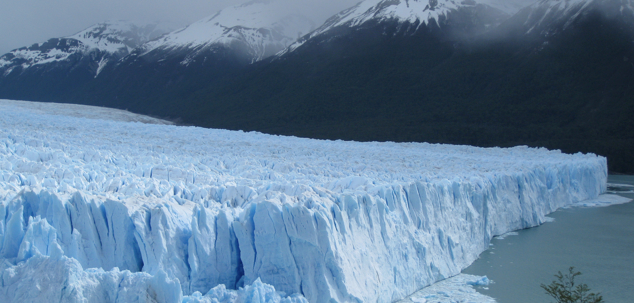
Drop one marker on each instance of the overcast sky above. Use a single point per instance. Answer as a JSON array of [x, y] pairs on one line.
[[24, 22]]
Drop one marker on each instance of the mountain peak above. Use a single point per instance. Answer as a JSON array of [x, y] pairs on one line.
[[415, 12], [111, 36], [107, 39], [412, 11], [262, 27]]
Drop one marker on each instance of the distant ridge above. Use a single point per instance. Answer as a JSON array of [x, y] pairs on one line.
[[89, 49]]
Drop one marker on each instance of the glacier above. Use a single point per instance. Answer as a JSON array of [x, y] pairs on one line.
[[96, 210]]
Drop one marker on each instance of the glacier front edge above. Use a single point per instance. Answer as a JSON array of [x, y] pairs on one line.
[[111, 211]]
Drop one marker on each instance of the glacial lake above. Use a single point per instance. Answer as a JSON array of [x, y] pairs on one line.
[[598, 242]]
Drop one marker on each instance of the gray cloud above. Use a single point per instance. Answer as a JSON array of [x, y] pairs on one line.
[[24, 22]]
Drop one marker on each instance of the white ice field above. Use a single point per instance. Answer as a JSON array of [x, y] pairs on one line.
[[116, 210]]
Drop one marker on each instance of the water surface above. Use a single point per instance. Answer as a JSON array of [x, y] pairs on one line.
[[599, 242]]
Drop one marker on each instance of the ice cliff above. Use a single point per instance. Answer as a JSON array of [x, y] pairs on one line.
[[108, 211]]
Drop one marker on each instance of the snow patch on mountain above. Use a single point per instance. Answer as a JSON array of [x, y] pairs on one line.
[[116, 36], [4, 62], [27, 57]]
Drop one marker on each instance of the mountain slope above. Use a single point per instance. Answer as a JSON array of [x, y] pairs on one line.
[[565, 84], [546, 16], [98, 44], [195, 56], [557, 74], [59, 66], [203, 51], [258, 29]]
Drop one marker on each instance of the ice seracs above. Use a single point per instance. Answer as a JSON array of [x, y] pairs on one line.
[[105, 211]]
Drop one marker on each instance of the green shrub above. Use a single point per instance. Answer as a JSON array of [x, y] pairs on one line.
[[565, 290]]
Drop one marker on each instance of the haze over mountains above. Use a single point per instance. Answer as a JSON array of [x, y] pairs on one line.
[[555, 73], [23, 23]]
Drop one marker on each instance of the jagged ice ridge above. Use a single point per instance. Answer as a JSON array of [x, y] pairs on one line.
[[112, 211]]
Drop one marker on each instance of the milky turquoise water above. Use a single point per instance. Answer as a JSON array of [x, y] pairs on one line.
[[599, 242]]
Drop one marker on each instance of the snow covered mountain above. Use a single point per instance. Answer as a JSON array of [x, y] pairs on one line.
[[89, 49], [416, 13], [210, 48], [256, 30], [412, 11]]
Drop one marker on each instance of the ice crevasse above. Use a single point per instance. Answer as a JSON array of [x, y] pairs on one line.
[[109, 211]]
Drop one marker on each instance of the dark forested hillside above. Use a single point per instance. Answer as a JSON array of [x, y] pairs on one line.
[[570, 89], [574, 92]]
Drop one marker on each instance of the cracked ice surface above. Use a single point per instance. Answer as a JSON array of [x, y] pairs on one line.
[[116, 211]]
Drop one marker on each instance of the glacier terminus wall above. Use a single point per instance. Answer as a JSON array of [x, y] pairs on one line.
[[113, 211]]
